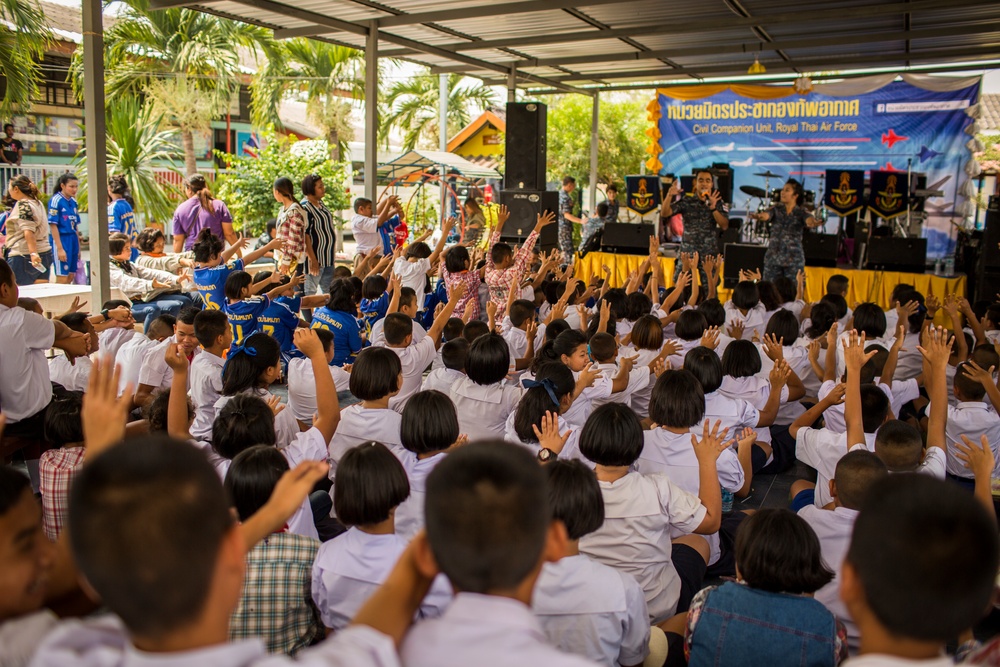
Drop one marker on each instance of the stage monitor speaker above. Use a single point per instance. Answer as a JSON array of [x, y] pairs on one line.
[[741, 256], [627, 238], [820, 249], [894, 254], [525, 146], [525, 206], [991, 236]]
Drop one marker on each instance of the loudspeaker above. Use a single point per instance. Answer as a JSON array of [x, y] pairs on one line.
[[525, 206], [820, 249], [741, 256], [991, 236], [525, 146], [986, 287], [627, 238], [724, 180], [893, 254]]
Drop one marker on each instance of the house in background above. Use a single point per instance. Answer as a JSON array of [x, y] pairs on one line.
[[482, 143]]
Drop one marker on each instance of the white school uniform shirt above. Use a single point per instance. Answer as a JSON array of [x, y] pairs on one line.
[[752, 321], [351, 566], [677, 360], [517, 339], [833, 528], [623, 328], [285, 426], [795, 307], [359, 424], [755, 390], [798, 359], [24, 373], [885, 341], [571, 450], [971, 419], [377, 337], [833, 416], [413, 275], [639, 397], [672, 454], [933, 463], [111, 340], [154, 370], [485, 631], [441, 379], [205, 382], [409, 519], [902, 392], [734, 414], [641, 515], [638, 379], [366, 234], [588, 608], [584, 404], [414, 358], [302, 387], [130, 357], [911, 362], [104, 642], [21, 636], [822, 449], [73, 377], [483, 410]]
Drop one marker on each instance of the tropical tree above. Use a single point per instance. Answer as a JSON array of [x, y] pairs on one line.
[[411, 105], [136, 145], [328, 76], [23, 37], [144, 46]]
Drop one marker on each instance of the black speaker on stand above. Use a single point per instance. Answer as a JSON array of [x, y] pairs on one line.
[[741, 256], [525, 145], [525, 206]]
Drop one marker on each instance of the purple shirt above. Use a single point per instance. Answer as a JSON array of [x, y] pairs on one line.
[[190, 218]]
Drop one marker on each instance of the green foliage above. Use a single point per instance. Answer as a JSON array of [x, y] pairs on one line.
[[423, 210], [991, 153], [23, 37], [247, 187], [136, 146], [621, 138]]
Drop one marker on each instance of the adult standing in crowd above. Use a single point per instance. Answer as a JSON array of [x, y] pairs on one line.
[[28, 249], [702, 211], [200, 211], [121, 217], [64, 220], [321, 235], [475, 222], [566, 218], [614, 206], [11, 153], [789, 220], [291, 230]]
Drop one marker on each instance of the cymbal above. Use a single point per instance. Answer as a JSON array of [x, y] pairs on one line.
[[753, 191], [768, 174]]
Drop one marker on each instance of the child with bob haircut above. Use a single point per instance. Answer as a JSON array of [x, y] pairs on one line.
[[584, 606], [642, 512], [482, 398], [370, 484], [770, 615], [375, 378], [650, 350], [545, 398], [745, 309], [429, 429]]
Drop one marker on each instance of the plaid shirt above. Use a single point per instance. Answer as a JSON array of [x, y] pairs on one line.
[[472, 282], [277, 601], [57, 467], [292, 232], [500, 280]]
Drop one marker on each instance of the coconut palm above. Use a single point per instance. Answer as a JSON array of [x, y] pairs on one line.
[[145, 46], [135, 146], [412, 106], [327, 75], [23, 37]]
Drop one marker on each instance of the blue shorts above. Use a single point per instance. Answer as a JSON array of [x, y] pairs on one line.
[[71, 244], [803, 498]]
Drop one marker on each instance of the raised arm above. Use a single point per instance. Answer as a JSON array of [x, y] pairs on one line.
[[446, 228], [830, 371], [327, 406], [693, 300], [241, 243], [287, 288], [778, 377], [437, 328], [667, 207], [854, 358], [977, 327], [177, 408], [961, 351], [936, 350], [707, 450], [889, 370], [809, 417], [254, 255]]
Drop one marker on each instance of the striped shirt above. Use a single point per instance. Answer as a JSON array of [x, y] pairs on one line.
[[322, 230]]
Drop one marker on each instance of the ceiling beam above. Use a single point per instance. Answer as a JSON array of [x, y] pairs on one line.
[[487, 10], [171, 4], [810, 19]]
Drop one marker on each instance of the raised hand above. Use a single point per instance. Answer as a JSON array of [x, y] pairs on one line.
[[659, 366], [836, 395], [710, 338], [977, 457], [712, 442], [291, 490], [735, 330], [104, 414], [831, 336], [176, 358], [588, 376], [936, 347], [544, 219], [275, 404], [675, 188], [683, 280], [773, 347], [714, 198], [854, 352], [77, 305], [548, 435], [308, 342], [779, 375], [975, 372], [814, 348]]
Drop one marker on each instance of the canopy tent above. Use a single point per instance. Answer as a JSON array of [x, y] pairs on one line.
[[429, 162]]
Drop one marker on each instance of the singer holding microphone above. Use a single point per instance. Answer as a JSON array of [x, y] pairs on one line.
[[789, 220], [701, 212]]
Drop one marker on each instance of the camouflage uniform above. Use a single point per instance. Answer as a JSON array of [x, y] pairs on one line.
[[565, 226], [700, 229], [785, 256]]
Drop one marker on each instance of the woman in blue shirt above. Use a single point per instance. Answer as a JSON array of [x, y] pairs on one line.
[[64, 219], [120, 215], [340, 317]]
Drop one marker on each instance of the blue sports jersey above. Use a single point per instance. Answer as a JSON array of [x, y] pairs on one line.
[[243, 316], [211, 283], [280, 319], [122, 219], [64, 213], [346, 333], [373, 310]]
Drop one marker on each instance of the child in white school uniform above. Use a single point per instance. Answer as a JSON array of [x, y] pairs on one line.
[[482, 398], [370, 485], [547, 397], [132, 353], [112, 339], [745, 309], [429, 430], [452, 355], [375, 378], [407, 305], [522, 335], [70, 371], [302, 384], [642, 513], [153, 372], [604, 352], [648, 346], [412, 269], [584, 606], [971, 417], [215, 336], [489, 531]]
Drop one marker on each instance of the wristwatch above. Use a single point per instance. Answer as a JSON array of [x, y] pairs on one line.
[[104, 313], [545, 455]]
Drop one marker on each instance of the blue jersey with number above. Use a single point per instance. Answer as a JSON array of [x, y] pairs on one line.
[[243, 316], [64, 214], [345, 329], [211, 283], [373, 310], [122, 219], [280, 319]]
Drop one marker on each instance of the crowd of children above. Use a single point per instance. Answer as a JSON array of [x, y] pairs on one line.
[[484, 460]]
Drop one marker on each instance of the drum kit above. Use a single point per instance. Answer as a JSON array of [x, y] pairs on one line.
[[759, 231]]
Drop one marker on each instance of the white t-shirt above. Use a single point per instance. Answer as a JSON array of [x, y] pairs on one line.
[[154, 370], [377, 337], [483, 410], [73, 377], [205, 389], [24, 373], [359, 424], [302, 387], [822, 449], [366, 234], [20, 637], [638, 379], [130, 357], [441, 379], [415, 358], [971, 419], [413, 275]]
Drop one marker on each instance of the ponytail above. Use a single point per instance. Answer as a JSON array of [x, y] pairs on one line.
[[197, 184]]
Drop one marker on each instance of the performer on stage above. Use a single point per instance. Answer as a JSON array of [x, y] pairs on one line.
[[567, 219], [701, 211], [789, 220]]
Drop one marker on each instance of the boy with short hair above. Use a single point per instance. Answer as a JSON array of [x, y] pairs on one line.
[[503, 267], [453, 356], [154, 373], [132, 353], [215, 335], [971, 417], [302, 382], [404, 300], [365, 225]]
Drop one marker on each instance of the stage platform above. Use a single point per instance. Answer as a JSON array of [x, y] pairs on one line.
[[875, 286]]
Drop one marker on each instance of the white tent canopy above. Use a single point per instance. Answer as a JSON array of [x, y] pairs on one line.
[[417, 161]]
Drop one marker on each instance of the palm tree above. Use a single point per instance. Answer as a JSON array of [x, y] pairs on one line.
[[145, 46], [135, 146], [326, 74], [23, 37], [412, 106]]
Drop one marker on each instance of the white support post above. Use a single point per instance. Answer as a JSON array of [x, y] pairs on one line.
[[593, 153], [371, 111], [97, 146], [512, 85], [443, 139]]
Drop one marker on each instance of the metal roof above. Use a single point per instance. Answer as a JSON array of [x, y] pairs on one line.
[[606, 44], [419, 161]]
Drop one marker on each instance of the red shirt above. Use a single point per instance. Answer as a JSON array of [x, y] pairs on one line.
[[402, 232]]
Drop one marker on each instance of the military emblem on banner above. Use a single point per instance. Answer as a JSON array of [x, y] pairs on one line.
[[890, 192], [642, 194], [844, 190]]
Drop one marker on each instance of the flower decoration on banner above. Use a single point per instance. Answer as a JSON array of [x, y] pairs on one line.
[[803, 85], [653, 164]]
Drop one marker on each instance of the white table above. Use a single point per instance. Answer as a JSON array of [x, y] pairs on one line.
[[56, 299]]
